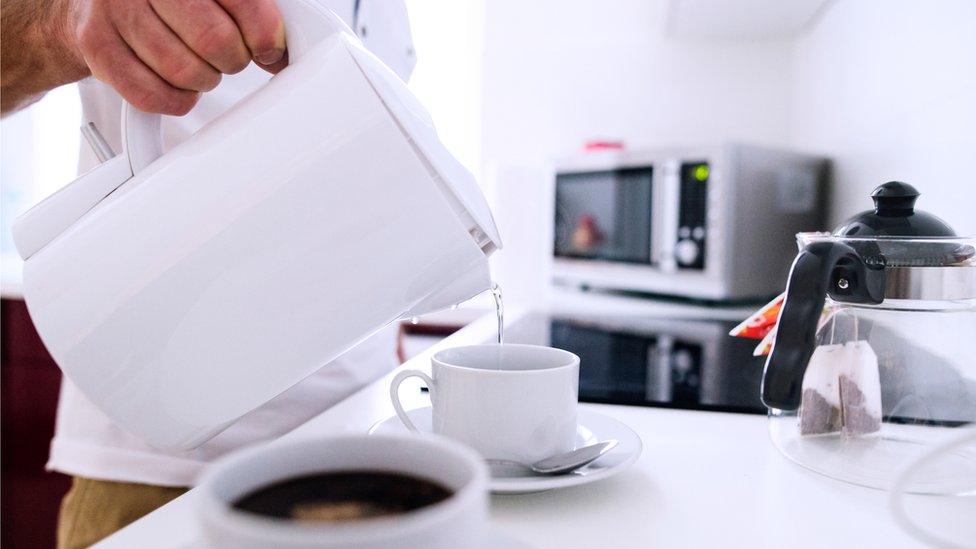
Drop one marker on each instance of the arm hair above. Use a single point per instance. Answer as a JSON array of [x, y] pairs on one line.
[[36, 52]]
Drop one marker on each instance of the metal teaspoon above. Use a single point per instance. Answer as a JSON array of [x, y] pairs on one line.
[[555, 465]]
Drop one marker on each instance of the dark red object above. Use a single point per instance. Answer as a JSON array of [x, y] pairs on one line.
[[29, 495]]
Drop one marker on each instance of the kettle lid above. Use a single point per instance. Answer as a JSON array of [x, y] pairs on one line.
[[894, 214], [417, 125]]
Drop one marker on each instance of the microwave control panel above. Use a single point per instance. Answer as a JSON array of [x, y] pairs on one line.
[[689, 249]]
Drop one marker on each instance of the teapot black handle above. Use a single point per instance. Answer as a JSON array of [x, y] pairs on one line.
[[816, 271]]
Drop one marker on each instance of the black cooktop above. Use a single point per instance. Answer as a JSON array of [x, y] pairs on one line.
[[646, 361]]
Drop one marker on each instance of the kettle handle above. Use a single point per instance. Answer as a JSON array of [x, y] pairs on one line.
[[307, 23], [815, 274]]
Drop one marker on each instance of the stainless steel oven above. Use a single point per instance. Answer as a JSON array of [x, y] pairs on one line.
[[706, 223], [645, 360]]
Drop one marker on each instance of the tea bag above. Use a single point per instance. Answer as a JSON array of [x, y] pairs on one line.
[[841, 391], [820, 404], [860, 389]]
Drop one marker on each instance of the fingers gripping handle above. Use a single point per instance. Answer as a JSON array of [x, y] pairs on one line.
[[395, 394], [307, 23]]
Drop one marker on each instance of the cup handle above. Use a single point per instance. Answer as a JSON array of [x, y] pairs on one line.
[[395, 394]]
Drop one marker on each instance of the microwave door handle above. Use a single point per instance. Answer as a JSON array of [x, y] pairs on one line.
[[665, 215], [658, 197], [658, 385]]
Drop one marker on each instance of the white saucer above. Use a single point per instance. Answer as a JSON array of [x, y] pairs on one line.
[[593, 427]]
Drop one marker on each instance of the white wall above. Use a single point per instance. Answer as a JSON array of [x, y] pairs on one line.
[[447, 36], [560, 72], [887, 88]]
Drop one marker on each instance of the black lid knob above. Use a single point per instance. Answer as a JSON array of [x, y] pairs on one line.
[[894, 198], [894, 215]]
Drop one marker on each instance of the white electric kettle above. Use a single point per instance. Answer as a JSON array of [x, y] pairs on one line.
[[179, 291]]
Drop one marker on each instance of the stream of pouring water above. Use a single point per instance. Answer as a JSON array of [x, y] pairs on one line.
[[496, 292]]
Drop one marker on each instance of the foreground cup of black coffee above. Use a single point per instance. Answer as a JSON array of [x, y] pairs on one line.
[[347, 492]]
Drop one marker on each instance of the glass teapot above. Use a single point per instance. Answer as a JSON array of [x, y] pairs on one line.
[[873, 359]]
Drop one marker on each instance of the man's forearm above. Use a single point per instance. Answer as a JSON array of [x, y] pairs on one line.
[[35, 51]]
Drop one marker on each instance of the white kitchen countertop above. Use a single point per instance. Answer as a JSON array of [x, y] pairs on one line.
[[705, 479]]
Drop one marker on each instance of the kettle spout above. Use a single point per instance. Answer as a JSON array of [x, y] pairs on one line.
[[472, 282]]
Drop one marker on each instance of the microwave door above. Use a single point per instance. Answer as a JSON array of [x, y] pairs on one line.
[[604, 215]]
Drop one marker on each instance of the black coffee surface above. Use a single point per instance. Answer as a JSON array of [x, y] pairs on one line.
[[341, 496]]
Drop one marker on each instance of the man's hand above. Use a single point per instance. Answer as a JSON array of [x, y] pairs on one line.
[[158, 54]]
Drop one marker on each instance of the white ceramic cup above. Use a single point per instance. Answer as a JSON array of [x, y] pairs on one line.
[[459, 521], [513, 402]]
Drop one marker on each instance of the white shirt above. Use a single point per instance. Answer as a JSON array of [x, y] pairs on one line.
[[86, 442]]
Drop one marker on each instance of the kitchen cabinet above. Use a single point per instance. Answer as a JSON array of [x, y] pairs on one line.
[[29, 495]]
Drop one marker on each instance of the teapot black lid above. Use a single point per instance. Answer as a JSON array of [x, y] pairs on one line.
[[894, 214]]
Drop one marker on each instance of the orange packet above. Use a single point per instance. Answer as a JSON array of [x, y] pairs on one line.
[[766, 345], [760, 323]]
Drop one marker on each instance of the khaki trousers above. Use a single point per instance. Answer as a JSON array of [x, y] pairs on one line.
[[94, 509]]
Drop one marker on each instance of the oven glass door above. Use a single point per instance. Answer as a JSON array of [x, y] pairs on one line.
[[644, 360], [604, 215]]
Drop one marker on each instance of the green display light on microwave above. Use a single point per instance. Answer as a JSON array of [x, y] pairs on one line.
[[701, 172]]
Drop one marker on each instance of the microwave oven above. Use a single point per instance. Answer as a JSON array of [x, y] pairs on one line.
[[711, 223]]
